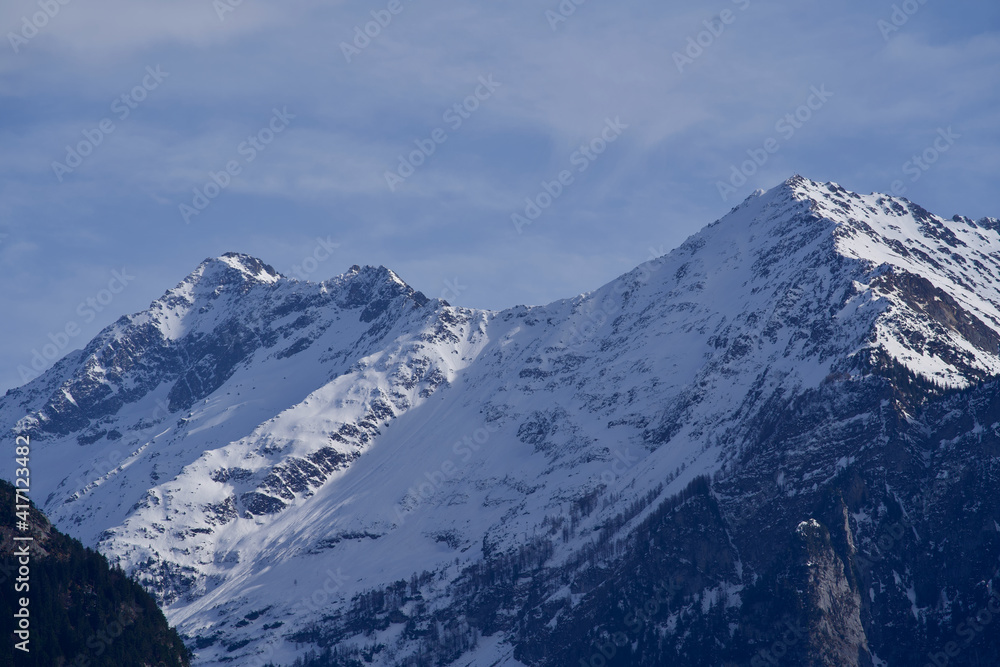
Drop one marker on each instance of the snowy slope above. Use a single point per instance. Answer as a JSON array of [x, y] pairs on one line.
[[258, 450]]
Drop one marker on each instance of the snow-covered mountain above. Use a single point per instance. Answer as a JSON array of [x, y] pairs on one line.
[[728, 431]]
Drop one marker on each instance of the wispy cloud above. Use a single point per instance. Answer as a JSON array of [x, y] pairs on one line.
[[354, 117]]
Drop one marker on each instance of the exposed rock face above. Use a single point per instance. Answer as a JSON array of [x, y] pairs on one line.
[[836, 635], [778, 444]]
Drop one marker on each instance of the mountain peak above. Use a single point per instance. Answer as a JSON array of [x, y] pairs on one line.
[[236, 265], [886, 280], [797, 188], [234, 444], [375, 273], [796, 180], [374, 287], [805, 188]]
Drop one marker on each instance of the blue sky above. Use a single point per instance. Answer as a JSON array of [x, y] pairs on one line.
[[162, 94]]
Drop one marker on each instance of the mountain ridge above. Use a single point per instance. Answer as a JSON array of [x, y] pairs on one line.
[[388, 422]]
